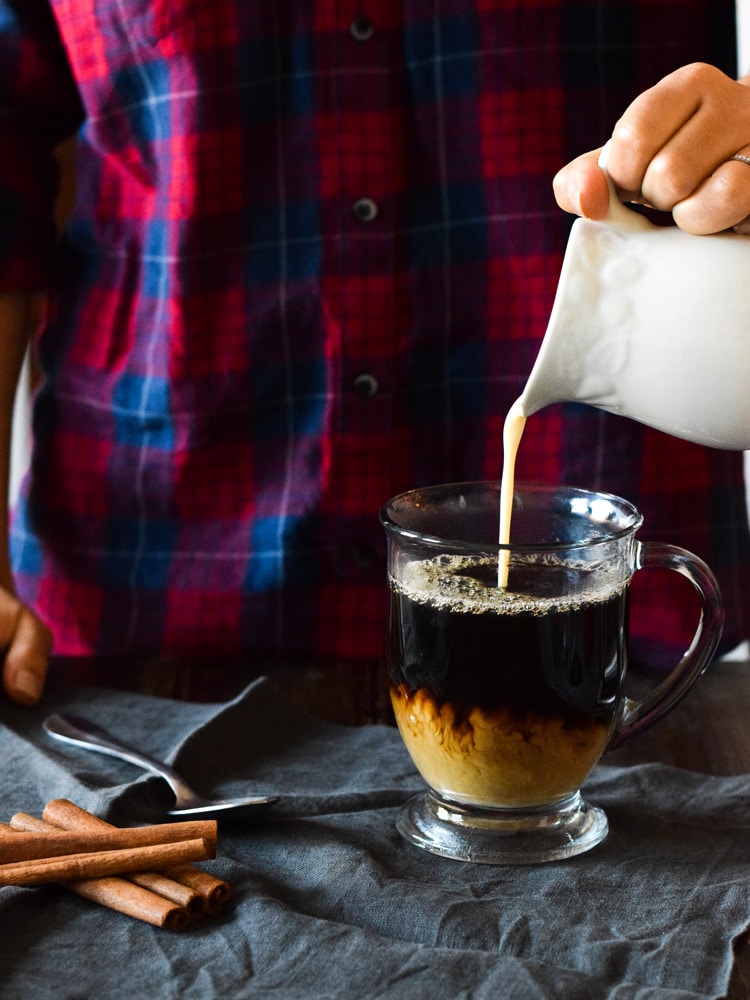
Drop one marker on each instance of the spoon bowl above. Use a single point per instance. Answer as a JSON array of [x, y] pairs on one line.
[[188, 803]]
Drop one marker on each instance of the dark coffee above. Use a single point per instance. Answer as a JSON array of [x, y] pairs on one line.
[[520, 683], [473, 646]]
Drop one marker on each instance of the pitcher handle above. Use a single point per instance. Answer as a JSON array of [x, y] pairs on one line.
[[618, 214], [638, 716]]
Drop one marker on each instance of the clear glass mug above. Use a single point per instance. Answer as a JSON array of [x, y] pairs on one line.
[[507, 698]]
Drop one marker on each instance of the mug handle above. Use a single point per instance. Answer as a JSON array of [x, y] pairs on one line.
[[638, 716]]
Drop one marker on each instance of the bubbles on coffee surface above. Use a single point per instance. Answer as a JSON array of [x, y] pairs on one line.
[[537, 585]]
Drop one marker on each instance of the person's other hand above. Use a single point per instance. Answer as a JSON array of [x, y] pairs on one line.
[[27, 643], [672, 149]]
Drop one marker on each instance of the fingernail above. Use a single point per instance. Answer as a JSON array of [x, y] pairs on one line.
[[27, 685], [743, 228], [575, 199]]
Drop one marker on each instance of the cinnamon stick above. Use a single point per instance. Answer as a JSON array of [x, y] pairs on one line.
[[28, 846], [185, 896], [103, 863], [124, 897], [133, 900], [214, 891]]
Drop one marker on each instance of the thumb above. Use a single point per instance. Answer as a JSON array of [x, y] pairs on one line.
[[26, 658], [580, 187]]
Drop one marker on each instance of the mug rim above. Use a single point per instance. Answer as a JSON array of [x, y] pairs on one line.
[[631, 512]]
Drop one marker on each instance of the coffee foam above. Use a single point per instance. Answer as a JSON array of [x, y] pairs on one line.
[[439, 583]]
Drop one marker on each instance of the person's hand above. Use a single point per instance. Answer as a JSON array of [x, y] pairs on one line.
[[27, 643], [672, 149]]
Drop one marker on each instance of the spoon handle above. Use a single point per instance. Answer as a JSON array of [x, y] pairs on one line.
[[79, 732]]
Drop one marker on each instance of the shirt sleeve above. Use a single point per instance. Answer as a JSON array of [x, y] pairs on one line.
[[39, 106]]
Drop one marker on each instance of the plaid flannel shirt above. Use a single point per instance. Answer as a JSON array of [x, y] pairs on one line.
[[309, 266]]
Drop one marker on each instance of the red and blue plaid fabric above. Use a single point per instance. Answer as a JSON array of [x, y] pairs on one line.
[[309, 266]]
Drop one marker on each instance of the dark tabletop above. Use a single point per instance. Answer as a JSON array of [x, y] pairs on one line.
[[341, 817]]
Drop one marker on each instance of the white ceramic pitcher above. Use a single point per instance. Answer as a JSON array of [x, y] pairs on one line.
[[654, 324]]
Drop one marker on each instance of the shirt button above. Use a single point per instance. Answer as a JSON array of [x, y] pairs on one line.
[[366, 385], [365, 209], [361, 28]]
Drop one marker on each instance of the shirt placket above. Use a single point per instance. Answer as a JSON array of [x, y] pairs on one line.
[[360, 154]]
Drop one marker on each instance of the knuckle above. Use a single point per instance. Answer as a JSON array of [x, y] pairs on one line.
[[725, 192], [698, 75], [718, 205], [628, 154], [663, 185]]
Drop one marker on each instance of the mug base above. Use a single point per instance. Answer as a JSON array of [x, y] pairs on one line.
[[502, 836]]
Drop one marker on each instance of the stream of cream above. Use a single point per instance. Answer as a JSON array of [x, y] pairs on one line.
[[515, 422]]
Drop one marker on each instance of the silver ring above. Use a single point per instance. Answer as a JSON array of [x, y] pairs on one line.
[[741, 158]]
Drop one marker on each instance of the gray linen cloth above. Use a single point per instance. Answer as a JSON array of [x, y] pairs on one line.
[[329, 901]]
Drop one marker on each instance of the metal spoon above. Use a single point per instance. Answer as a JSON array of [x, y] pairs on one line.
[[187, 805]]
